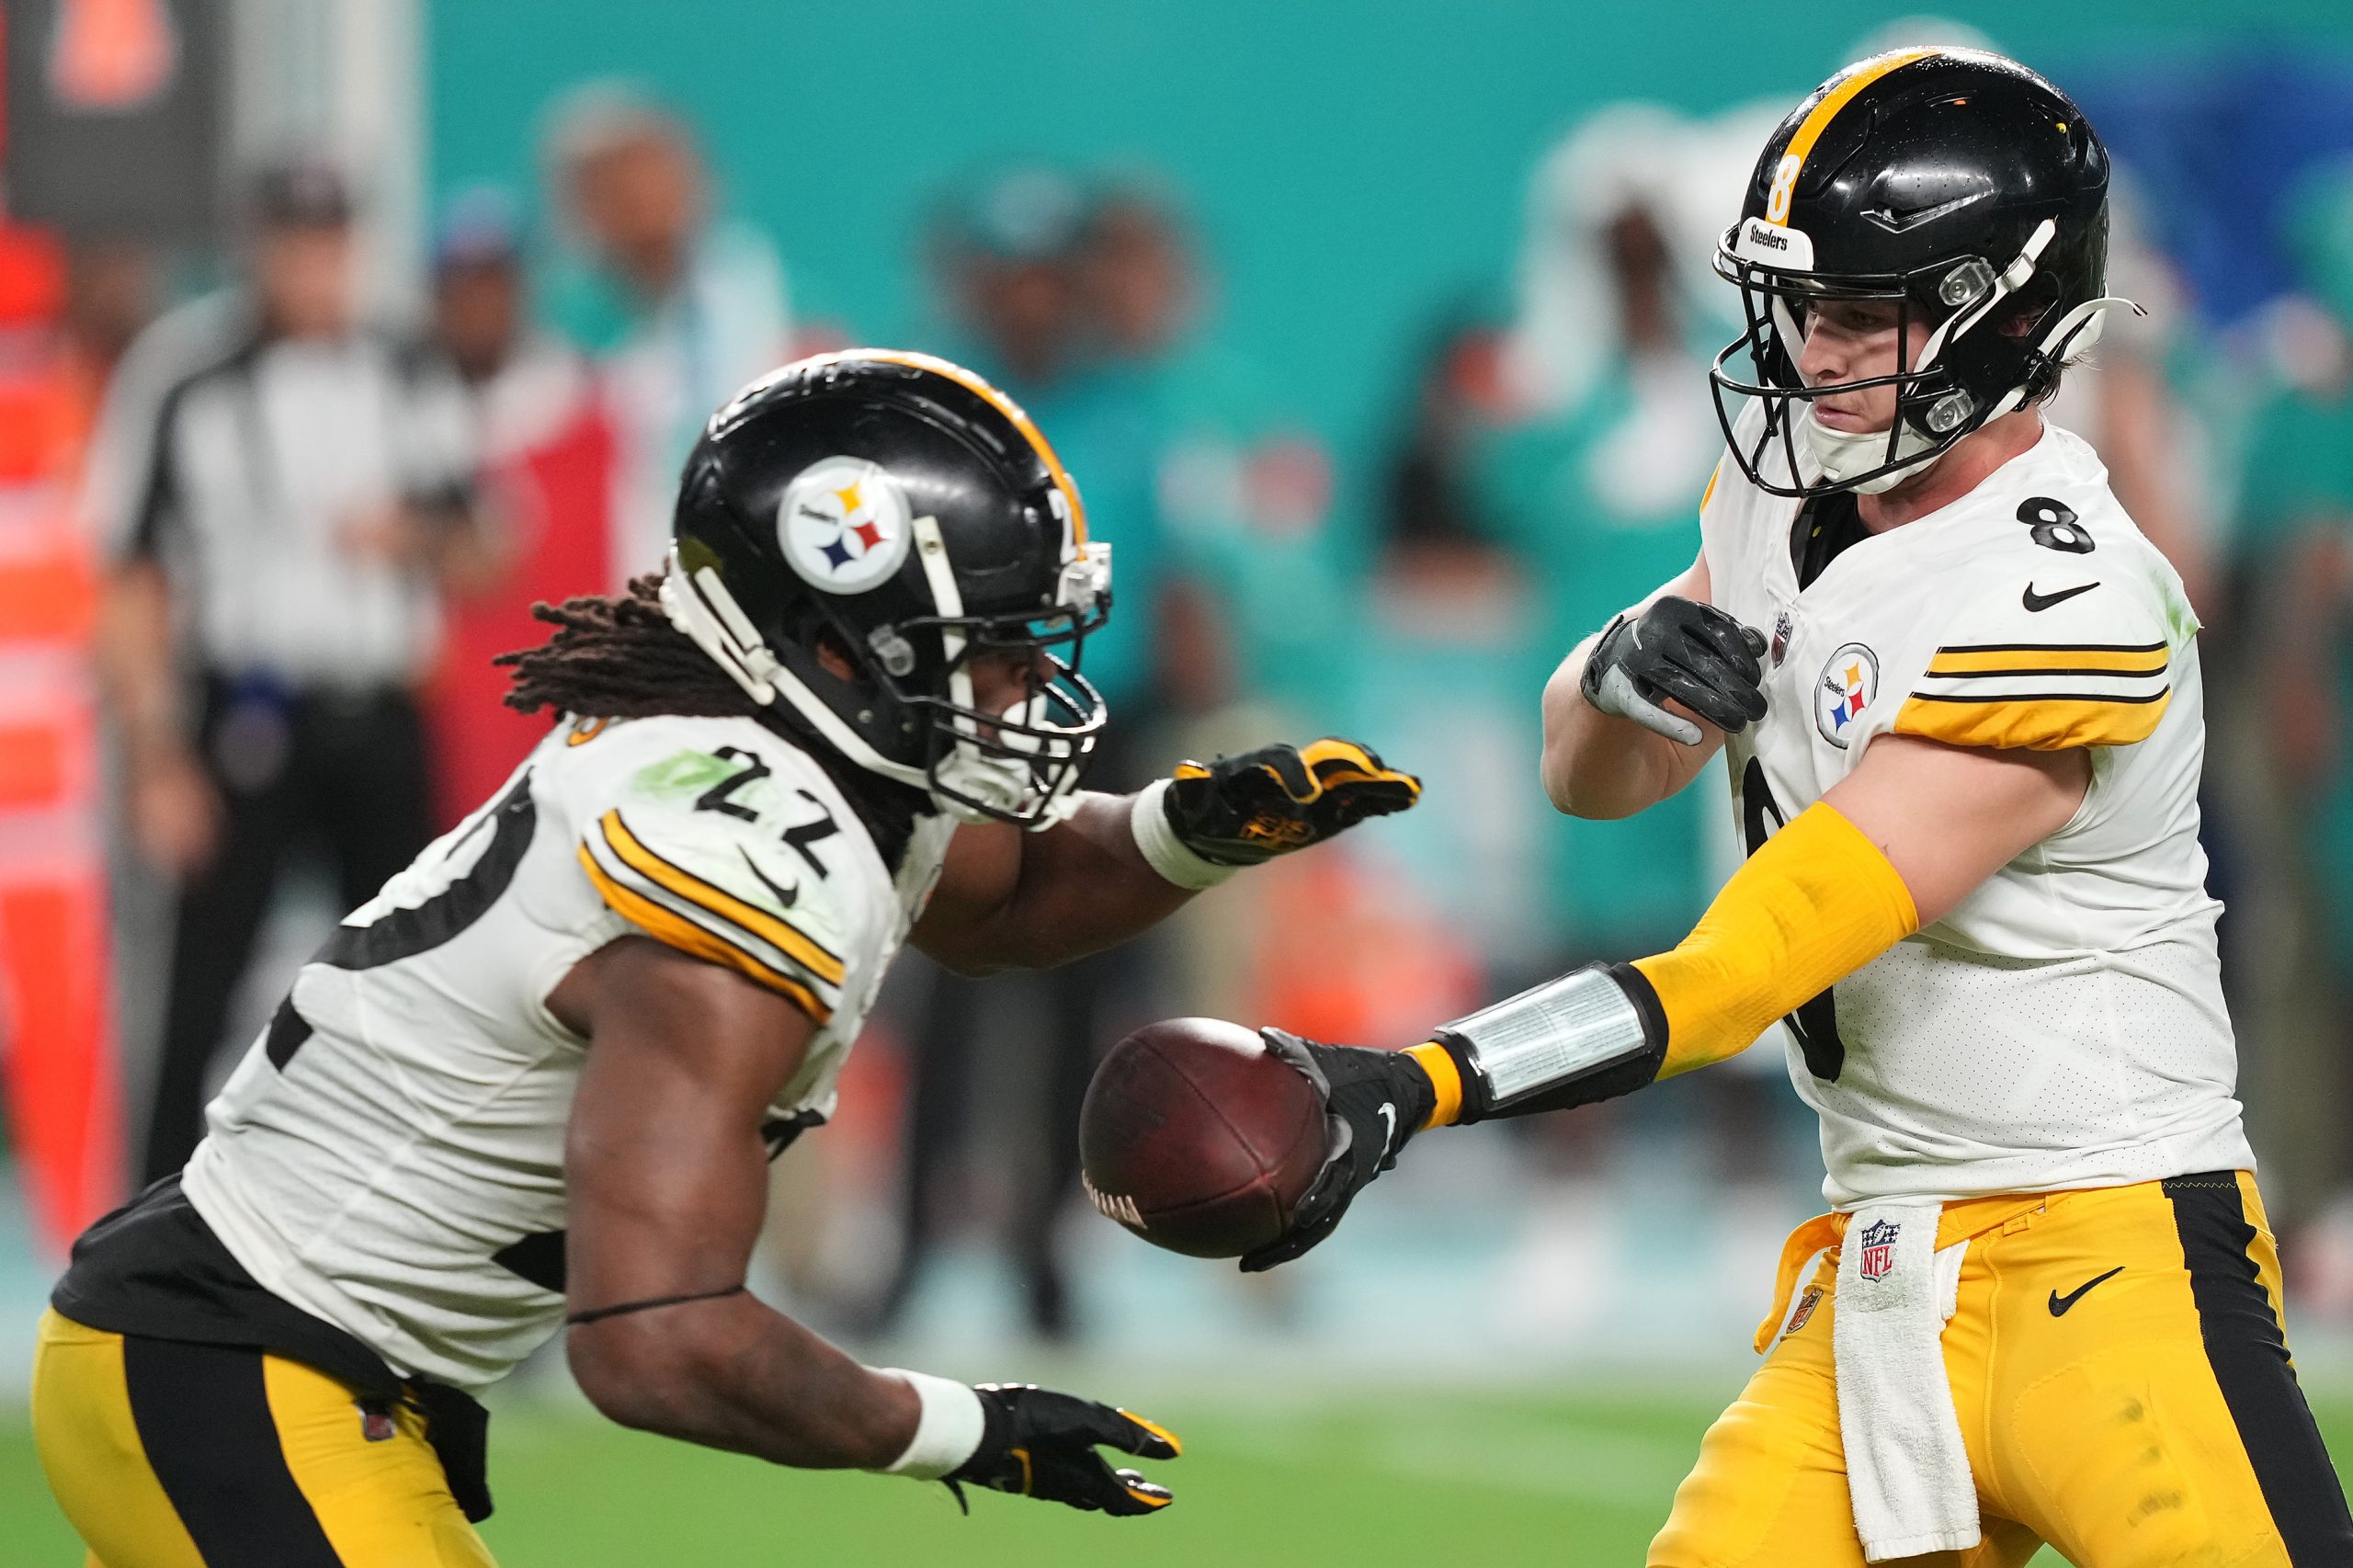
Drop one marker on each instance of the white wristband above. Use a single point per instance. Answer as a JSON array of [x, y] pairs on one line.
[[947, 1433], [1170, 856]]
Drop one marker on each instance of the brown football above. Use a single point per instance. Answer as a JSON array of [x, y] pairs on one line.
[[1198, 1140]]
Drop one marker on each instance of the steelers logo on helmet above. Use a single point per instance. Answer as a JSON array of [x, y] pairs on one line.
[[1849, 681], [843, 525]]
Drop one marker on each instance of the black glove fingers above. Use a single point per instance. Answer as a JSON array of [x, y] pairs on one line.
[[1734, 681], [1295, 1054], [1715, 630], [1142, 1497], [1699, 695], [1289, 770], [1124, 1430]]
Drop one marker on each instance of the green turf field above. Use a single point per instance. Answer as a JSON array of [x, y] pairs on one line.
[[1496, 1480]]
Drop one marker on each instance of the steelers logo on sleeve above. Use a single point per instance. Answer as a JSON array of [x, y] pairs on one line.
[[843, 525], [1849, 681]]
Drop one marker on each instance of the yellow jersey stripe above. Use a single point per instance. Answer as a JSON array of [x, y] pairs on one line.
[[683, 934], [1011, 410], [1810, 130], [2097, 658], [686, 885], [2033, 723]]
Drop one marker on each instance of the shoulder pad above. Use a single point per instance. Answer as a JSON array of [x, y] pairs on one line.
[[720, 851], [2073, 652]]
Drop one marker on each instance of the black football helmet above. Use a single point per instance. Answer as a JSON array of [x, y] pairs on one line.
[[1956, 184], [904, 514]]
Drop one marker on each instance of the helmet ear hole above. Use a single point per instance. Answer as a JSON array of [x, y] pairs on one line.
[[834, 656]]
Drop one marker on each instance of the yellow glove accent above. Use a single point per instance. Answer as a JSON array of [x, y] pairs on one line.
[[1812, 906], [1445, 1077]]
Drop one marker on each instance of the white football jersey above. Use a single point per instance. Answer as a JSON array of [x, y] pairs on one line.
[[2064, 1026], [389, 1156]]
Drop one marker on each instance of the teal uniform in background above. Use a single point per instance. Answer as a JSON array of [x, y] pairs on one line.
[[1628, 885], [1244, 494], [2298, 476]]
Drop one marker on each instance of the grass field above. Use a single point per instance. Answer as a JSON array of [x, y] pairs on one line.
[[1494, 1480]]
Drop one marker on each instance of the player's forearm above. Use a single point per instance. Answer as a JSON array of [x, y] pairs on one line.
[[135, 658], [733, 1374], [1817, 902], [1084, 886], [1599, 766]]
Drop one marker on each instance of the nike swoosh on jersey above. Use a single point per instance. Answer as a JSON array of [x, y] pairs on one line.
[[2034, 601], [785, 897], [2058, 1303]]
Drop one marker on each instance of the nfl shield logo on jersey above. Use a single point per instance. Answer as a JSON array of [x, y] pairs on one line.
[[1878, 1241], [1848, 683]]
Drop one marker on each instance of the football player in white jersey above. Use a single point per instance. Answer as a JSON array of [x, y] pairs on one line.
[[537, 1080], [1957, 694]]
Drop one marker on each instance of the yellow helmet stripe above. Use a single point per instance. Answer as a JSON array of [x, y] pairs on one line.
[[1003, 404], [1810, 130]]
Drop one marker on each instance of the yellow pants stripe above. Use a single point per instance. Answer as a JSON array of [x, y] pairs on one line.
[[168, 1455]]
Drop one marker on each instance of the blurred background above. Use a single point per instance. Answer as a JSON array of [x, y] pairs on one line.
[[334, 333]]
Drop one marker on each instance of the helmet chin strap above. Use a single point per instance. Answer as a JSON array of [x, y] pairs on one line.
[[1842, 452], [699, 605]]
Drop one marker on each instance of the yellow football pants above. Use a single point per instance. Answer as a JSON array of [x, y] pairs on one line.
[[2123, 1387], [166, 1454]]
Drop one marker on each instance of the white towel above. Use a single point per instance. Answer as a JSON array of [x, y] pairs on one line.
[[1907, 1472]]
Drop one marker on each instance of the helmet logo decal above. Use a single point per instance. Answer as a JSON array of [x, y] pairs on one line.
[[844, 525], [1848, 683]]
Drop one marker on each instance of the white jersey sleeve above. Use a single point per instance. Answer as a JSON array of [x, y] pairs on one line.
[[2080, 663], [721, 854]]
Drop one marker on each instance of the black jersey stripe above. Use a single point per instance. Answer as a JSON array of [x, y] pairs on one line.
[[2157, 647], [202, 1413], [2249, 1356], [2156, 674], [2042, 696]]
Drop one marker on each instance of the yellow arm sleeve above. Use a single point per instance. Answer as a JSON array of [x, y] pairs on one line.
[[1813, 906]]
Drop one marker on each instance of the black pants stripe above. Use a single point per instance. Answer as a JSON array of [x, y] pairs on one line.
[[2249, 1354], [223, 1470]]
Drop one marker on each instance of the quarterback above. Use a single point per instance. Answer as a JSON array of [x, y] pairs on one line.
[[1957, 695], [534, 1083]]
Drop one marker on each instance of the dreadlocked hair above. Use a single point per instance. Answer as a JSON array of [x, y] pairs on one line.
[[617, 657]]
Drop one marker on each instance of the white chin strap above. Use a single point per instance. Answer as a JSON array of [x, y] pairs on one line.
[[1844, 453], [699, 604], [989, 778]]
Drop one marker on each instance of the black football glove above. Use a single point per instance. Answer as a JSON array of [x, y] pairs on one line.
[[1239, 811], [1038, 1443], [1678, 648], [1373, 1101]]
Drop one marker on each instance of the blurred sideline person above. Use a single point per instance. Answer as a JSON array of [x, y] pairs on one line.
[[544, 462], [2294, 549], [535, 1081], [1007, 255], [1960, 695], [278, 486], [688, 307], [1590, 483]]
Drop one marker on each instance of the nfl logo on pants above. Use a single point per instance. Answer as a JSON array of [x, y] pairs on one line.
[[1879, 1249]]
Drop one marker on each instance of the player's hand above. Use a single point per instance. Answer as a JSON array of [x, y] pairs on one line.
[[1373, 1101], [1683, 648], [1239, 811], [1038, 1443]]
